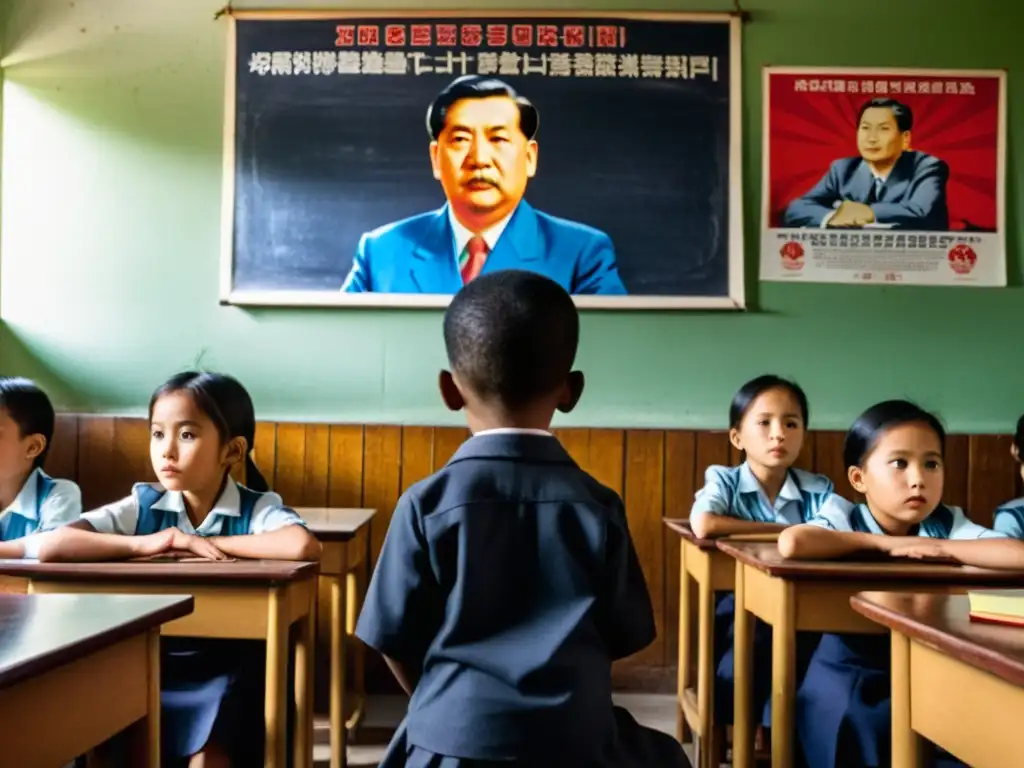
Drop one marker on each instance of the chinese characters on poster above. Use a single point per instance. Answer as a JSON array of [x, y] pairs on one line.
[[884, 176], [385, 161]]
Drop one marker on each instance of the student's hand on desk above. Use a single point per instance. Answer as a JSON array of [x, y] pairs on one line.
[[197, 545], [890, 544], [175, 540], [932, 551]]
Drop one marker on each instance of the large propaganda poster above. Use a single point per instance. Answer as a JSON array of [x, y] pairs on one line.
[[892, 176], [385, 159]]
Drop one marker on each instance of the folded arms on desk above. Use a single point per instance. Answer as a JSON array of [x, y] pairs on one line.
[[80, 542], [708, 525], [810, 542]]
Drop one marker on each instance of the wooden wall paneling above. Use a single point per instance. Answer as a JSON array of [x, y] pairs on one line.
[[828, 461], [605, 459], [576, 443], [644, 496], [95, 461], [315, 475], [344, 489], [316, 467], [955, 491], [446, 442], [345, 481], [736, 456], [382, 455], [264, 453], [417, 452], [290, 451], [62, 456], [132, 462], [805, 460], [992, 478], [709, 448], [417, 455], [680, 486]]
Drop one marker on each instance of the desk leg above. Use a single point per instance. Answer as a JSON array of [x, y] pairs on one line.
[[275, 721], [685, 646], [784, 677], [743, 652], [906, 746], [685, 639], [304, 650], [339, 734], [355, 591], [153, 710], [707, 754]]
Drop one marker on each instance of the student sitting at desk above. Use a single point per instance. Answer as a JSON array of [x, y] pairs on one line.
[[508, 581], [201, 424], [1009, 517], [768, 421], [32, 501], [894, 454]]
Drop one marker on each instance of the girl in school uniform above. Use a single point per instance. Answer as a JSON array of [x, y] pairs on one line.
[[31, 501], [768, 420], [894, 455], [1009, 517], [201, 425]]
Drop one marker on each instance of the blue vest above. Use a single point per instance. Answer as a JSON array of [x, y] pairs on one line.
[[153, 520], [806, 497], [939, 524], [19, 526]]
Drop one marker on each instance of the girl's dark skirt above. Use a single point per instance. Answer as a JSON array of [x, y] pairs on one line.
[[844, 705], [212, 690], [725, 675]]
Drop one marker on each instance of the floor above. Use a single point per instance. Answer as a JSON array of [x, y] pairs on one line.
[[385, 712]]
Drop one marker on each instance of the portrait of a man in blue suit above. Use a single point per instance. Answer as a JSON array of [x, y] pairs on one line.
[[889, 185], [483, 151]]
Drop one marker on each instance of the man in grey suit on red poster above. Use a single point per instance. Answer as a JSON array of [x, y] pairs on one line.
[[888, 186]]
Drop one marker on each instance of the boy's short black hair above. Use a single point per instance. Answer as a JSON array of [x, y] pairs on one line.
[[511, 336], [29, 408]]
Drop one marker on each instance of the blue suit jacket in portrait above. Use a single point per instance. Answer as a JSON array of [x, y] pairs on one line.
[[914, 195], [415, 255]]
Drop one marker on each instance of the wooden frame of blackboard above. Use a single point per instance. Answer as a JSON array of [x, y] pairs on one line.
[[736, 298]]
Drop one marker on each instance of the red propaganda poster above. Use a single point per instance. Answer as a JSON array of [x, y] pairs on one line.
[[884, 176]]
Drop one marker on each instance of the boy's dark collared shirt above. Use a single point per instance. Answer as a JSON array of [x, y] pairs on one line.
[[509, 577]]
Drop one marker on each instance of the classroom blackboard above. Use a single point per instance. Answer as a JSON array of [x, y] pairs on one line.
[[330, 196]]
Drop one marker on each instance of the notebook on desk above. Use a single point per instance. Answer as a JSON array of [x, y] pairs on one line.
[[997, 606]]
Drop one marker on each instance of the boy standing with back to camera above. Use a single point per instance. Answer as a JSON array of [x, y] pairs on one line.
[[508, 581]]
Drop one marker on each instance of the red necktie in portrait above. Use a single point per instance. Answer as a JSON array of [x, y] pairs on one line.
[[476, 251]]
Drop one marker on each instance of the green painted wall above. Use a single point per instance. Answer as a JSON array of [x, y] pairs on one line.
[[111, 206]]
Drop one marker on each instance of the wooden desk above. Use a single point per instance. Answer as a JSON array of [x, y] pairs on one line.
[[344, 534], [958, 683], [712, 571], [245, 599], [793, 596], [88, 663]]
